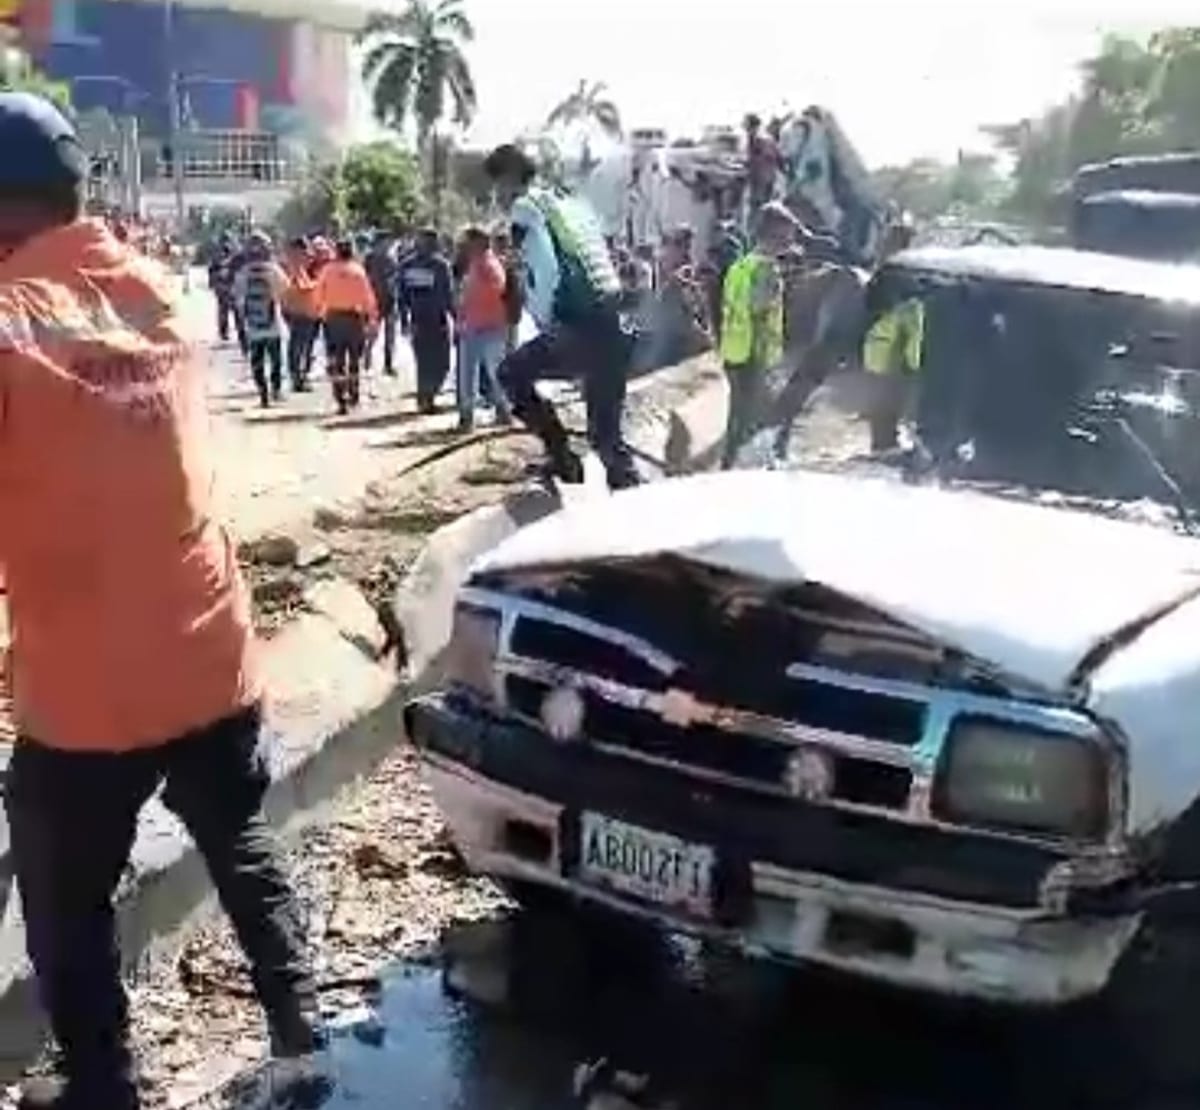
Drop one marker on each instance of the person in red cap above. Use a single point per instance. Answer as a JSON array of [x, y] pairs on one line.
[[133, 661]]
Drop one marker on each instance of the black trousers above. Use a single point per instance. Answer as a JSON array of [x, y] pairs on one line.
[[264, 352], [595, 351], [302, 337], [387, 325], [431, 350], [227, 310], [746, 389], [73, 818], [345, 341]]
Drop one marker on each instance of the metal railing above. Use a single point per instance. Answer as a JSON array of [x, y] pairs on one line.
[[247, 156]]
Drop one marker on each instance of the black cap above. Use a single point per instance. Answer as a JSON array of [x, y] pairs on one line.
[[40, 145]]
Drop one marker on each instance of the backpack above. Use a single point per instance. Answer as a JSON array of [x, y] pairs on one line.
[[260, 307], [588, 279]]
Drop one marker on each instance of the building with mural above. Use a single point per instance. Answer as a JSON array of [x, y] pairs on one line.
[[272, 67]]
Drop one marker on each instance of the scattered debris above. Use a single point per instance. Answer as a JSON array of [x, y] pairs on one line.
[[601, 1086], [270, 550], [328, 519]]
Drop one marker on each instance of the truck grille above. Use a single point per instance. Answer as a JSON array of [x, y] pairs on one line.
[[718, 752], [841, 709], [565, 646]]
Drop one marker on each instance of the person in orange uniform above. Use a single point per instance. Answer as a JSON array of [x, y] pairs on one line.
[[302, 312], [133, 660], [348, 308]]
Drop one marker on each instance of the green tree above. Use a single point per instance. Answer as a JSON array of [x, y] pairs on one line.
[[920, 186], [1040, 151], [416, 64], [375, 185], [380, 186], [1174, 88], [969, 186], [588, 104], [318, 202], [1135, 97]]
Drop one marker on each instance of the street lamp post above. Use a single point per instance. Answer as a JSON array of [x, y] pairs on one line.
[[174, 113], [175, 124]]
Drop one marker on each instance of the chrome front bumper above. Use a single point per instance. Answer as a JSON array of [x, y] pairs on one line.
[[954, 948]]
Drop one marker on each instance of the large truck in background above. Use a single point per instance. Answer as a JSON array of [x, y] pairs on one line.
[[1143, 207], [649, 183]]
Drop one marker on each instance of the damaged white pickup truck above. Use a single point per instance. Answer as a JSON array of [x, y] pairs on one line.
[[934, 738]]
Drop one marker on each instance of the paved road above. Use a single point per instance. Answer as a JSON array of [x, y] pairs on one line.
[[714, 1036], [275, 467]]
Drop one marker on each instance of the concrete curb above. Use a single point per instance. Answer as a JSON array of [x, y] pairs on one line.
[[334, 715], [696, 430]]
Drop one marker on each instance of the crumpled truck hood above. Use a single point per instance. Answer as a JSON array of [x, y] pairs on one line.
[[1030, 589]]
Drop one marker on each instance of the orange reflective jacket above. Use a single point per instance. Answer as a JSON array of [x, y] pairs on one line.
[[130, 620], [345, 287]]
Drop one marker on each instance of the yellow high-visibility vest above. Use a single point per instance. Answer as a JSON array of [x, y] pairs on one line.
[[896, 341], [737, 316]]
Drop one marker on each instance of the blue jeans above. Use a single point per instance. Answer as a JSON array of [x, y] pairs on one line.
[[475, 348]]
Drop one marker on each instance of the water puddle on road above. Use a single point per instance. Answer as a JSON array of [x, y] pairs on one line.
[[710, 1032]]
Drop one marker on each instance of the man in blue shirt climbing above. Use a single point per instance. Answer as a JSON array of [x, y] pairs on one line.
[[571, 291]]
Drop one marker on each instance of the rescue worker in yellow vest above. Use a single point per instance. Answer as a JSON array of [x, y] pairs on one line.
[[893, 351], [752, 338]]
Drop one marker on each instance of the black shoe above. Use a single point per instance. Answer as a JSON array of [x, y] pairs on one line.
[[623, 478], [566, 467]]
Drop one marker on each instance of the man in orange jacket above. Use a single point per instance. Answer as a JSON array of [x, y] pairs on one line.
[[348, 307], [301, 312], [133, 657]]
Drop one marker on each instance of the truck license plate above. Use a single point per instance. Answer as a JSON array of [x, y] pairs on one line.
[[650, 865]]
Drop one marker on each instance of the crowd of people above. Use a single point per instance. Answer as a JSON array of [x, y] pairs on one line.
[[133, 660], [457, 300], [448, 299]]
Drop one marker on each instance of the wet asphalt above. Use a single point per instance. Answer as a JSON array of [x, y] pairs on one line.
[[710, 1032]]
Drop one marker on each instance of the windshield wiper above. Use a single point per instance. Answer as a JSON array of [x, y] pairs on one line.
[[1184, 509]]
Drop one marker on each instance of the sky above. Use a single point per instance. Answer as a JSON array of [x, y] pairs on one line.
[[906, 78]]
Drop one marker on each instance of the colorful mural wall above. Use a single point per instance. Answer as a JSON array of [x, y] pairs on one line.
[[237, 70]]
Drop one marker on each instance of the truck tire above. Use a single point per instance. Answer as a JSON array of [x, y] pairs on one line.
[[1149, 1014]]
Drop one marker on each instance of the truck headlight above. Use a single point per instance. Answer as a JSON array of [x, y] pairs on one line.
[[471, 653], [1004, 776]]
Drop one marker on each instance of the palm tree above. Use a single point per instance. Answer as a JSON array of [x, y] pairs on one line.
[[589, 103], [415, 62]]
